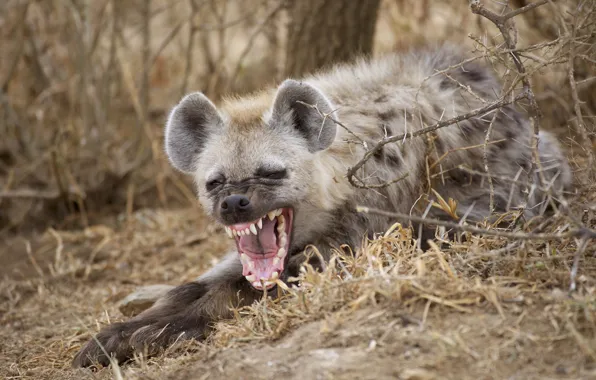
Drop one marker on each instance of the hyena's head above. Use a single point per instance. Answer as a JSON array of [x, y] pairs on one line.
[[253, 167]]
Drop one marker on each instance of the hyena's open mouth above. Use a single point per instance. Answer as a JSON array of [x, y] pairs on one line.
[[263, 246]]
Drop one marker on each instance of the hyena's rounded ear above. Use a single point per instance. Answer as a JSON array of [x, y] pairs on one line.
[[188, 127], [305, 108]]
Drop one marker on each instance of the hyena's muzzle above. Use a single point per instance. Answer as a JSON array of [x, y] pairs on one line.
[[262, 239]]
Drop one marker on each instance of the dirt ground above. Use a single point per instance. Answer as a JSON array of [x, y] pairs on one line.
[[473, 313]]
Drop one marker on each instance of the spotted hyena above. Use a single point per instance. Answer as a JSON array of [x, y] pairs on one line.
[[271, 168]]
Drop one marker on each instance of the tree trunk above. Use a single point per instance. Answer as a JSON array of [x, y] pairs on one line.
[[322, 32]]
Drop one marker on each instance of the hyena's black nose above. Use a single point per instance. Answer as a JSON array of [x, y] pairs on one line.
[[234, 204]]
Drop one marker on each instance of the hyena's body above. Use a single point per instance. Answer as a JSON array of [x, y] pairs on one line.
[[271, 152]]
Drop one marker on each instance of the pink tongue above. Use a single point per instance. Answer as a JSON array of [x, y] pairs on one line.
[[263, 268], [265, 242]]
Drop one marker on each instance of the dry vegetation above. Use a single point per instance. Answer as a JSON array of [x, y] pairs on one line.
[[90, 209]]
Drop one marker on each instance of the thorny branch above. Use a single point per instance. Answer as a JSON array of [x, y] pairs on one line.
[[508, 30]]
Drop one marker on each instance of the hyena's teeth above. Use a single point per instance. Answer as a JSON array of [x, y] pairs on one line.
[[251, 278], [278, 212], [274, 276], [229, 232], [253, 229], [281, 224], [257, 285], [282, 240], [276, 261], [260, 224], [281, 253], [271, 215], [247, 231], [244, 258]]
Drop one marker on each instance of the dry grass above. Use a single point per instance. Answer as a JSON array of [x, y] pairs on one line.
[[81, 111], [487, 306]]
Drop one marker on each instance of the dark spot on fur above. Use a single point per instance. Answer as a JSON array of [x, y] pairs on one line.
[[460, 176], [388, 157], [509, 134], [447, 83], [439, 146], [473, 73], [381, 99], [501, 145], [366, 113], [393, 159], [466, 127], [385, 130], [379, 155], [388, 115]]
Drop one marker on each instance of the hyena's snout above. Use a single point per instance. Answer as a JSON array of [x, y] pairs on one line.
[[235, 207]]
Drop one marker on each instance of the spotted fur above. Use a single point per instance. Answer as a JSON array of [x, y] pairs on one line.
[[224, 148]]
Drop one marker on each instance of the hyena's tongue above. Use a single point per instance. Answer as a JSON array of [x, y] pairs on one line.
[[261, 244], [262, 255]]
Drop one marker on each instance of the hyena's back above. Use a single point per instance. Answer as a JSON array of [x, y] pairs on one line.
[[404, 93]]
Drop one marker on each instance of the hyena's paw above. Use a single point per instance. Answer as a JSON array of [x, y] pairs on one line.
[[115, 340], [144, 336]]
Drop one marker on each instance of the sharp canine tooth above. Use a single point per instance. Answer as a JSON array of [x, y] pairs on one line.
[[229, 232], [271, 215], [251, 278], [260, 223], [281, 253], [278, 212], [253, 229]]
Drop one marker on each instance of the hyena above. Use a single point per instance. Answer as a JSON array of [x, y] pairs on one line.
[[271, 168]]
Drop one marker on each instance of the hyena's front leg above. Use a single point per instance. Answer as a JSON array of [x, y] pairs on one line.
[[185, 312]]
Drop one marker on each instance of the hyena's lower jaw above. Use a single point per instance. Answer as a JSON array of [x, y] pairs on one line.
[[263, 246]]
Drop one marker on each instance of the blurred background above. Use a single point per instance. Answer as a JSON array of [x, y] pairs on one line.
[[85, 86]]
